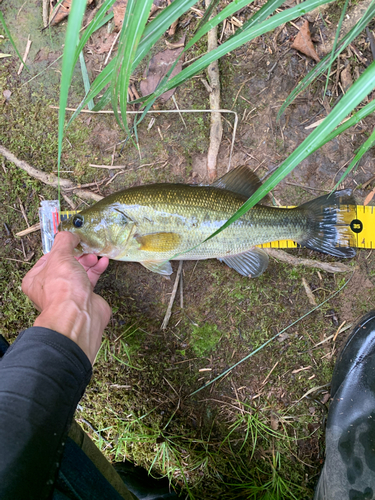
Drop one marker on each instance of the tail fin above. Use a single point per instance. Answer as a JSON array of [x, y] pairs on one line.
[[329, 221]]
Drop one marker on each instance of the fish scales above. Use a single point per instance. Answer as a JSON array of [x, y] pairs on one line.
[[154, 223]]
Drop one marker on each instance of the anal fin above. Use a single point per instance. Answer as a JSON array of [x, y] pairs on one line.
[[162, 267], [252, 263]]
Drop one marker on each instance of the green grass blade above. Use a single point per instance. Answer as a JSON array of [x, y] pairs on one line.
[[236, 42], [71, 41], [206, 16], [86, 80], [153, 31], [7, 32], [262, 14], [323, 64], [356, 118], [362, 150], [99, 20], [99, 83], [136, 16], [343, 12], [157, 27]]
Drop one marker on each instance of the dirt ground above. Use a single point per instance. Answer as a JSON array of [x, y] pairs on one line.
[[139, 404]]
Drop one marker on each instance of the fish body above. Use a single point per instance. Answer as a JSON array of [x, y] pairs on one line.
[[154, 223]]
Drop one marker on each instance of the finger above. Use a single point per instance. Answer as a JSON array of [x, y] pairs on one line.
[[96, 271], [65, 242], [88, 260]]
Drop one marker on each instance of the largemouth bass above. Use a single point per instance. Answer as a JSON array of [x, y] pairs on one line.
[[154, 223]]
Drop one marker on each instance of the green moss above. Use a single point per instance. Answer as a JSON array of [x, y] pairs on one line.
[[204, 338]]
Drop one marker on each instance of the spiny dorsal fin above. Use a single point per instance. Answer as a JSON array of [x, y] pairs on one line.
[[240, 180], [158, 242]]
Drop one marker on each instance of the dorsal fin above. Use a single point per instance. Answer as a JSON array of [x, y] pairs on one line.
[[240, 180]]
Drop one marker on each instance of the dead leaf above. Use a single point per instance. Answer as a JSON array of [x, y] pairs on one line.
[[119, 8], [369, 197], [159, 66], [303, 42], [346, 78], [61, 11], [274, 422]]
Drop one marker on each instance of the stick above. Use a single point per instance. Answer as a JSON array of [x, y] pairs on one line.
[[31, 229], [49, 179], [45, 13], [330, 267], [28, 45], [216, 131], [174, 291]]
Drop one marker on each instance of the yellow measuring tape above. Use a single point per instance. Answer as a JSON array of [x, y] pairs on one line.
[[362, 227]]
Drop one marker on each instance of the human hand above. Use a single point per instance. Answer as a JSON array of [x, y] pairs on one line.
[[61, 288]]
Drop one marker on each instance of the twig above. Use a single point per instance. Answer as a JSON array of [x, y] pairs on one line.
[[49, 179], [330, 267], [269, 374], [109, 167], [110, 50], [28, 45], [309, 293], [174, 291], [45, 13], [31, 229], [23, 213], [216, 130], [338, 331]]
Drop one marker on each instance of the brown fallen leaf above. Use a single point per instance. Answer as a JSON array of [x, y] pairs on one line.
[[119, 8], [369, 197], [303, 42], [61, 11], [159, 66], [346, 78]]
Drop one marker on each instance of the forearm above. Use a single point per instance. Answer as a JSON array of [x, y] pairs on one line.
[[42, 377]]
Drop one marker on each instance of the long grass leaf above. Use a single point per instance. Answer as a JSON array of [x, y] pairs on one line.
[[86, 80], [71, 40], [236, 42], [362, 150], [7, 32], [343, 12], [152, 32], [136, 16], [323, 64], [353, 120], [266, 10]]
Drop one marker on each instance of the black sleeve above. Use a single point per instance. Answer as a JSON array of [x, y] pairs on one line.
[[43, 375]]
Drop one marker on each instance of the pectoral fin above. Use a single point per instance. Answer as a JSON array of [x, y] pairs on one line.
[[158, 242], [252, 263], [158, 266]]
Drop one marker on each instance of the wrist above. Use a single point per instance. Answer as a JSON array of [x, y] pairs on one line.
[[66, 318]]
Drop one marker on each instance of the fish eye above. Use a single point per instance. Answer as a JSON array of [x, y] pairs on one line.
[[78, 221]]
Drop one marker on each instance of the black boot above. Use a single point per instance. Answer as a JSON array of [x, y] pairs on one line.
[[349, 468], [142, 485]]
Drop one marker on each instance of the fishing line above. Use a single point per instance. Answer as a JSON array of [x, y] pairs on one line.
[[271, 339]]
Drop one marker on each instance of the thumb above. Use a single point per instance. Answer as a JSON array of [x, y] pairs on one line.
[[65, 242]]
